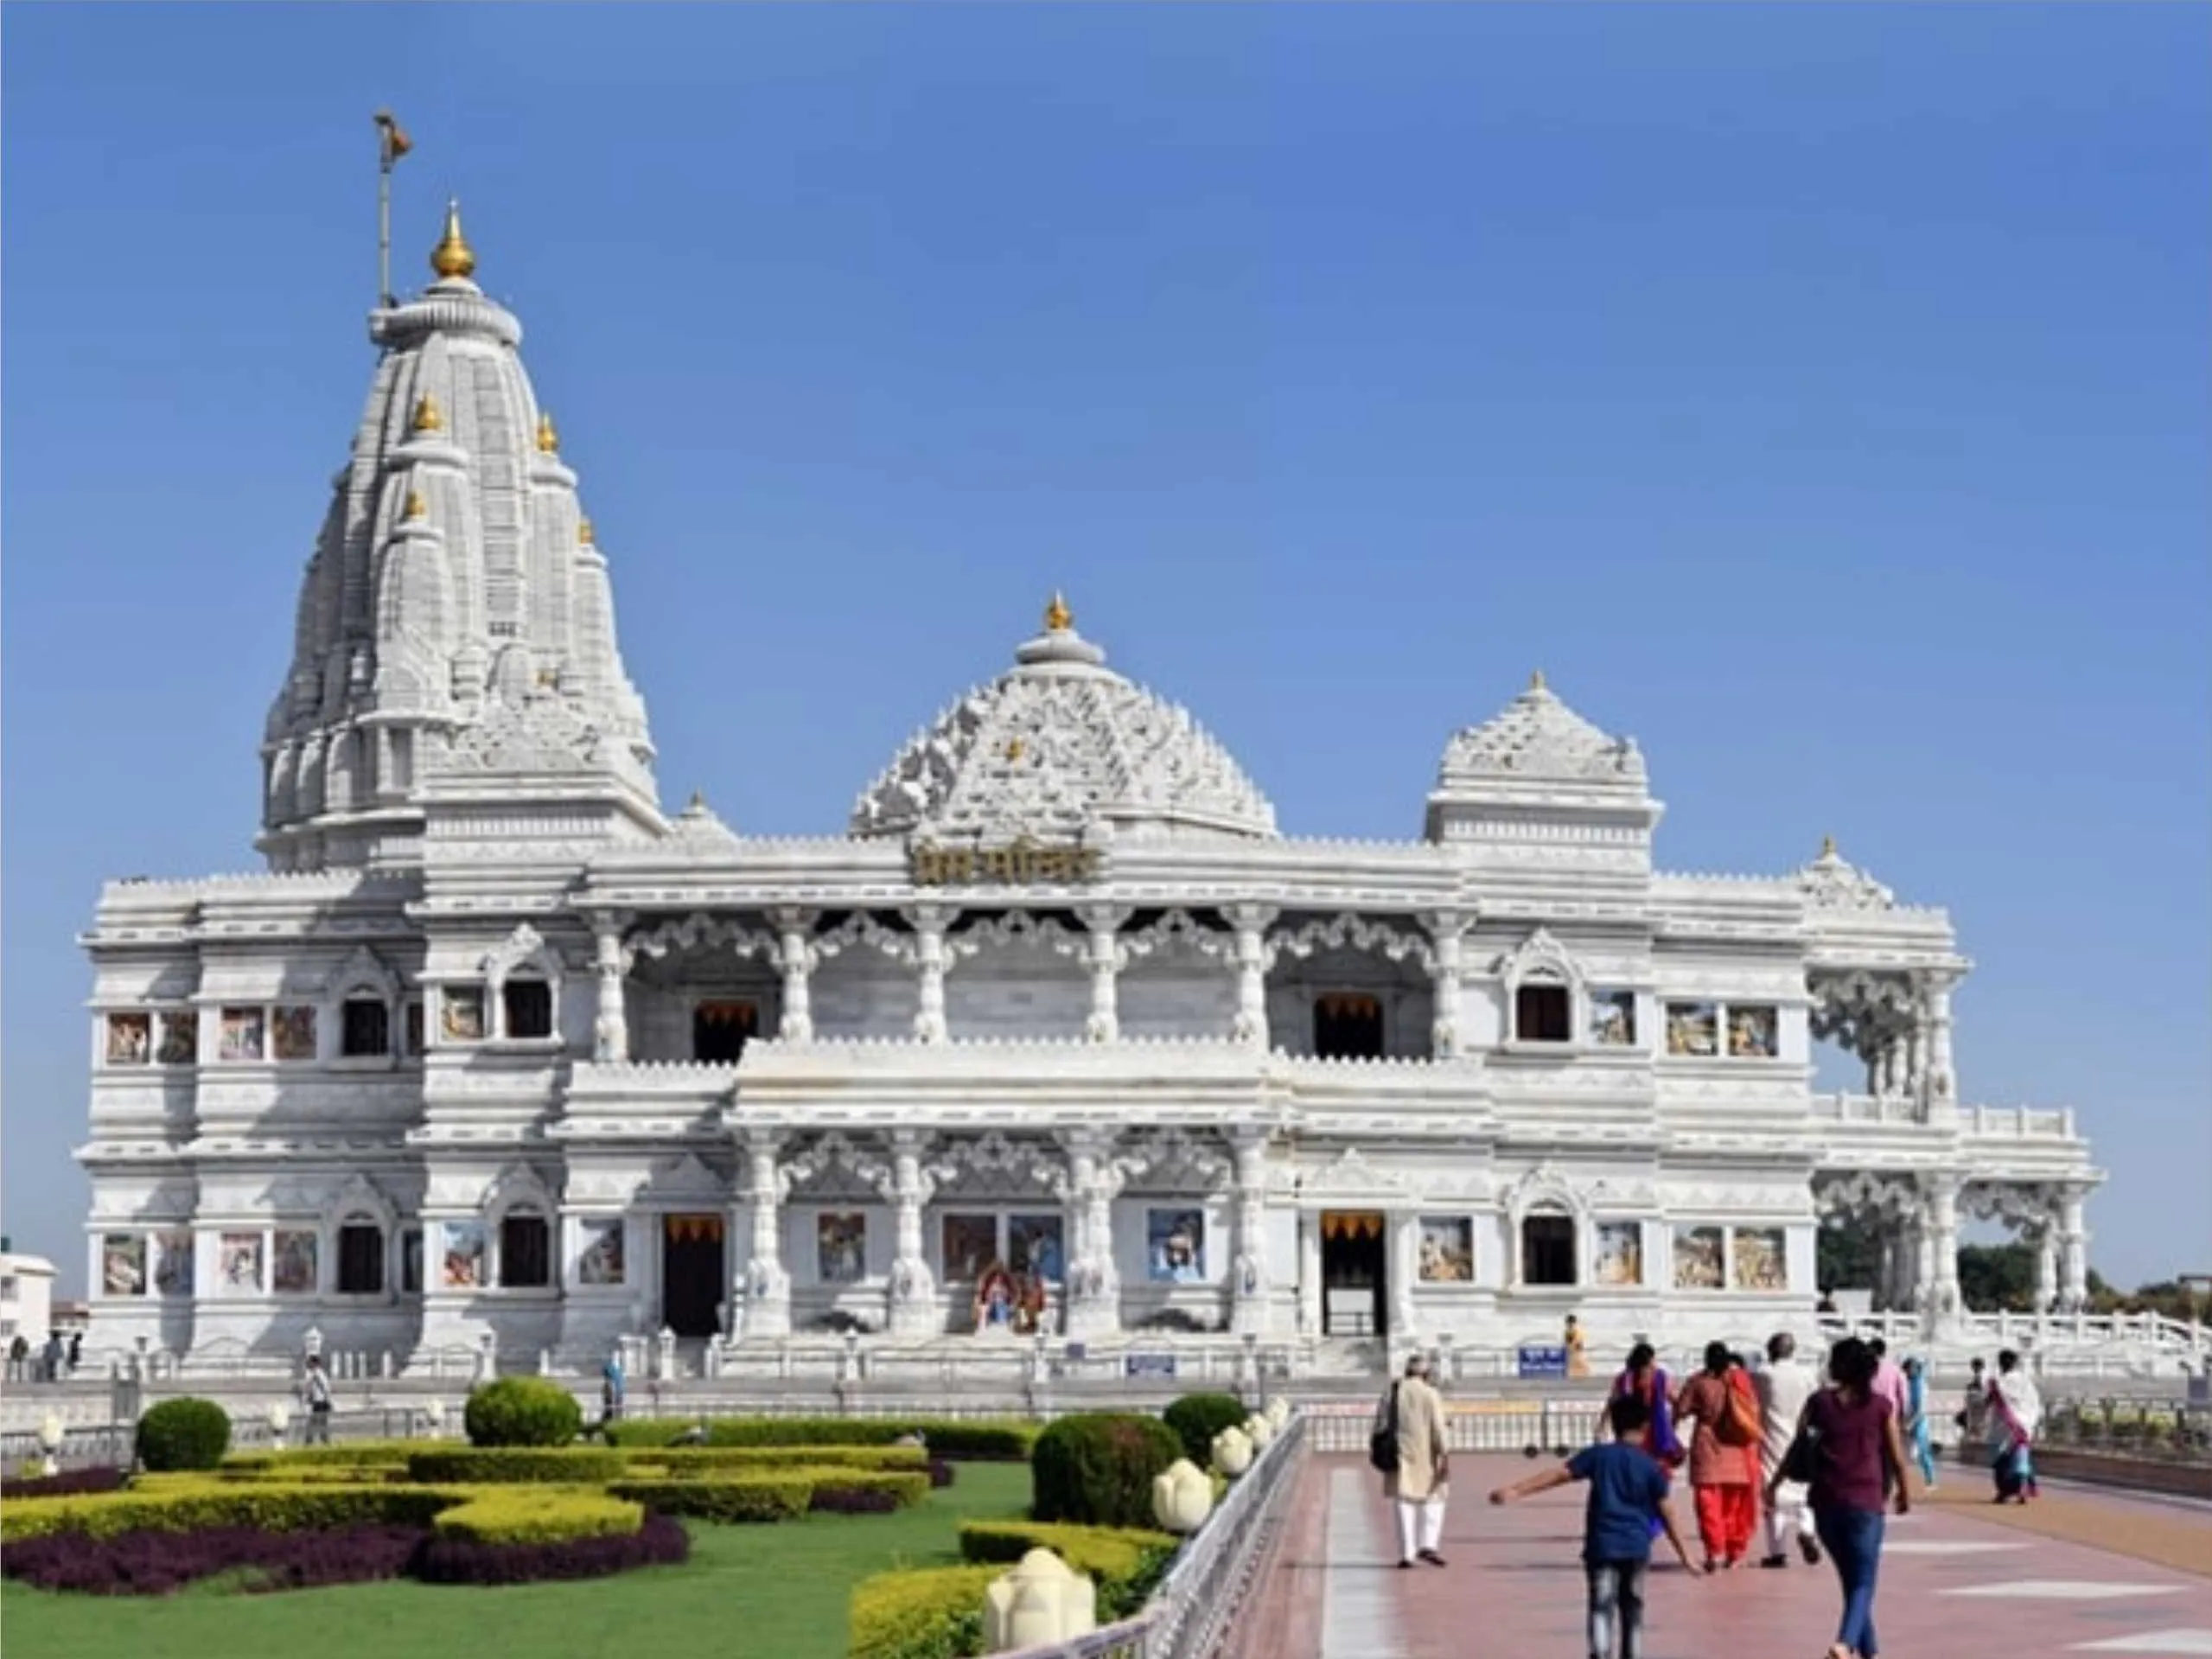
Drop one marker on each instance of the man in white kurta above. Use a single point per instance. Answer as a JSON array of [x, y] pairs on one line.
[[1416, 1487]]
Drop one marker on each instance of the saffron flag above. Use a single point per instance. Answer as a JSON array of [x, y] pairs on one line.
[[393, 141]]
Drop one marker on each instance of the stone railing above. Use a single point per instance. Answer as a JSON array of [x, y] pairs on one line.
[[2018, 1122], [1210, 1582], [1511, 1425], [1866, 1108]]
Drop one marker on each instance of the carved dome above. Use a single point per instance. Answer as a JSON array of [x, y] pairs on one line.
[[1538, 736], [1060, 744]]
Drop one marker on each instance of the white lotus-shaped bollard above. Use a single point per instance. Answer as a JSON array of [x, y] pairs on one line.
[[1182, 1497], [1233, 1451], [1278, 1411], [1040, 1602], [1258, 1430]]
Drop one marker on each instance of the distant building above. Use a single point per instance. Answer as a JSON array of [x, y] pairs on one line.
[[26, 1298]]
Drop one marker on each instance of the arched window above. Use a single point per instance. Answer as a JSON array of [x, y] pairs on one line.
[[1543, 1012], [1348, 1025], [525, 1249], [1547, 1248], [527, 1005], [365, 1027], [360, 1255]]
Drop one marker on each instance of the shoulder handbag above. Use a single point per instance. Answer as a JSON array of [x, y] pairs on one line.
[[1802, 1463], [1741, 1414], [1382, 1444]]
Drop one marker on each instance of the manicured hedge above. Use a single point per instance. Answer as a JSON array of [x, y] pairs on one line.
[[366, 1454], [316, 1474], [1125, 1562], [1197, 1418], [70, 1483], [225, 1503], [739, 1459], [907, 1486], [523, 1516], [156, 1563], [522, 1411], [727, 1499], [659, 1542], [184, 1433], [935, 1613], [567, 1464], [1096, 1468], [981, 1440]]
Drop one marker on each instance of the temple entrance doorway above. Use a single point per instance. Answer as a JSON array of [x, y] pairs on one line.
[[1354, 1274], [693, 1275]]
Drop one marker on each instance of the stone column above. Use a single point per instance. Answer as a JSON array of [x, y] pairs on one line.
[[610, 1031], [914, 1309], [1941, 1197], [1404, 1258], [1942, 1080], [1105, 1022], [2074, 1253], [1915, 1064], [1310, 1286], [768, 1286], [796, 955], [1448, 929], [1248, 1273], [1251, 922], [2046, 1265], [1885, 1274], [930, 957], [1093, 1283]]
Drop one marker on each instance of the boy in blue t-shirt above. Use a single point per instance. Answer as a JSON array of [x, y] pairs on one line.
[[1628, 1491]]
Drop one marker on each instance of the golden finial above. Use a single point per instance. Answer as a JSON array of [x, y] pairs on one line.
[[549, 441], [417, 507], [1536, 681], [1013, 748], [583, 533], [1058, 619], [428, 417], [453, 256], [1828, 846]]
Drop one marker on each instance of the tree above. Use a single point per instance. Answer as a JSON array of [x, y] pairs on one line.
[[1993, 1278], [1848, 1254]]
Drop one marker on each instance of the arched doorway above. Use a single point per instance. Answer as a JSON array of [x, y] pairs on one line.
[[694, 1274], [1354, 1274]]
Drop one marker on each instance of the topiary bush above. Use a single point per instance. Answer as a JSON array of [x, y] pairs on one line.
[[528, 1517], [184, 1434], [927, 1613], [1199, 1417], [1096, 1468], [523, 1411], [562, 1464], [730, 1501]]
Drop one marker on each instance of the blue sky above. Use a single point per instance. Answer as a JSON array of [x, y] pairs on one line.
[[1818, 394]]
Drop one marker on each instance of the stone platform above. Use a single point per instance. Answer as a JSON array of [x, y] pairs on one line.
[[1960, 1579]]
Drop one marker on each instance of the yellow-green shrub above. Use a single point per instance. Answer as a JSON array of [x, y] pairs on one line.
[[1125, 1562], [544, 1516], [931, 1613], [185, 1507], [366, 1454], [499, 1464], [688, 1460], [956, 1440], [729, 1499]]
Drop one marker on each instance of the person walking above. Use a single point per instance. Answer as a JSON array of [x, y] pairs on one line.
[[1626, 1508], [1783, 1385], [314, 1390], [1409, 1424], [1645, 1378], [1722, 1451], [1973, 1418], [2016, 1413], [19, 1358], [1918, 1433], [1856, 1461], [1573, 1340], [1889, 1380], [611, 1383]]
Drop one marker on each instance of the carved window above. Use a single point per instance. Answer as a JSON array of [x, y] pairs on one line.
[[1346, 1025], [1753, 1031], [365, 1027], [528, 1005], [525, 1251], [1543, 1013], [361, 1258], [1547, 1250], [1692, 1030], [720, 1030], [461, 1013]]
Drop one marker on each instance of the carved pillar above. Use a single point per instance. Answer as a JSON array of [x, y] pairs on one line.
[[610, 1031], [796, 955], [2074, 1253], [1105, 1022], [1404, 1266], [1248, 1286], [1310, 1287], [914, 1309], [1094, 1283], [1941, 1197], [768, 1286], [2046, 1232], [1251, 922], [1915, 1064], [1885, 1274], [1447, 928], [1942, 1080], [929, 958]]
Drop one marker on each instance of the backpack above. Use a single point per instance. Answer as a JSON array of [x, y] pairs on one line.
[[1739, 1423]]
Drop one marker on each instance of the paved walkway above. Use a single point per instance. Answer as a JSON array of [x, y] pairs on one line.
[[1960, 1580]]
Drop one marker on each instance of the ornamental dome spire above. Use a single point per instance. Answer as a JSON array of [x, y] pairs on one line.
[[453, 256], [1058, 619]]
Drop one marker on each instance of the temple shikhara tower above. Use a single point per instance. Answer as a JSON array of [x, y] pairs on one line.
[[1062, 1037]]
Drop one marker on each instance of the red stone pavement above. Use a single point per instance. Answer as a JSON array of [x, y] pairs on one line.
[[1514, 1585]]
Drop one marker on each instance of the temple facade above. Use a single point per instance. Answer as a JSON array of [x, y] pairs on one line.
[[1062, 1036]]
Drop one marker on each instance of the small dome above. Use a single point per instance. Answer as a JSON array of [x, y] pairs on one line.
[[1058, 745], [1832, 882], [1536, 737]]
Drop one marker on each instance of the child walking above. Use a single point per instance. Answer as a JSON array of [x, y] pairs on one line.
[[1628, 1492]]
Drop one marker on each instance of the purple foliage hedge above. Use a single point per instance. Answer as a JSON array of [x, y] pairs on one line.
[[155, 1563], [75, 1482], [941, 1472], [660, 1542], [852, 1500]]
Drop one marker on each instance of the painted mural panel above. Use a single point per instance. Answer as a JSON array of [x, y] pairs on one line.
[[1174, 1246], [1447, 1250], [122, 1263], [1620, 1253], [841, 1247], [1698, 1264], [1762, 1258]]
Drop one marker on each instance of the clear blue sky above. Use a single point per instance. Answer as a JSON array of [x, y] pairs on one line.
[[1820, 395]]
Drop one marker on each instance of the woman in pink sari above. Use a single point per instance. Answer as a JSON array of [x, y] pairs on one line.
[[1646, 1379]]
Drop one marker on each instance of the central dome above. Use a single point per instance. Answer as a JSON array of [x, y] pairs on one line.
[[1057, 745]]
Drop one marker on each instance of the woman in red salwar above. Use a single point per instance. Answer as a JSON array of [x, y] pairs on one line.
[[1722, 1460]]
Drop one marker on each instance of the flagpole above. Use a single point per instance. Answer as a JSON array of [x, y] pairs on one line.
[[391, 146]]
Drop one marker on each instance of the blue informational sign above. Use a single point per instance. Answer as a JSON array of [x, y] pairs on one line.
[[1149, 1365], [1543, 1361]]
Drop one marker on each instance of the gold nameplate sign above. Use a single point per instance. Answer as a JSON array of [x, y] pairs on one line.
[[1019, 864]]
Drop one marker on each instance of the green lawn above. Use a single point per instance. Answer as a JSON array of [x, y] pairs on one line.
[[778, 1592]]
